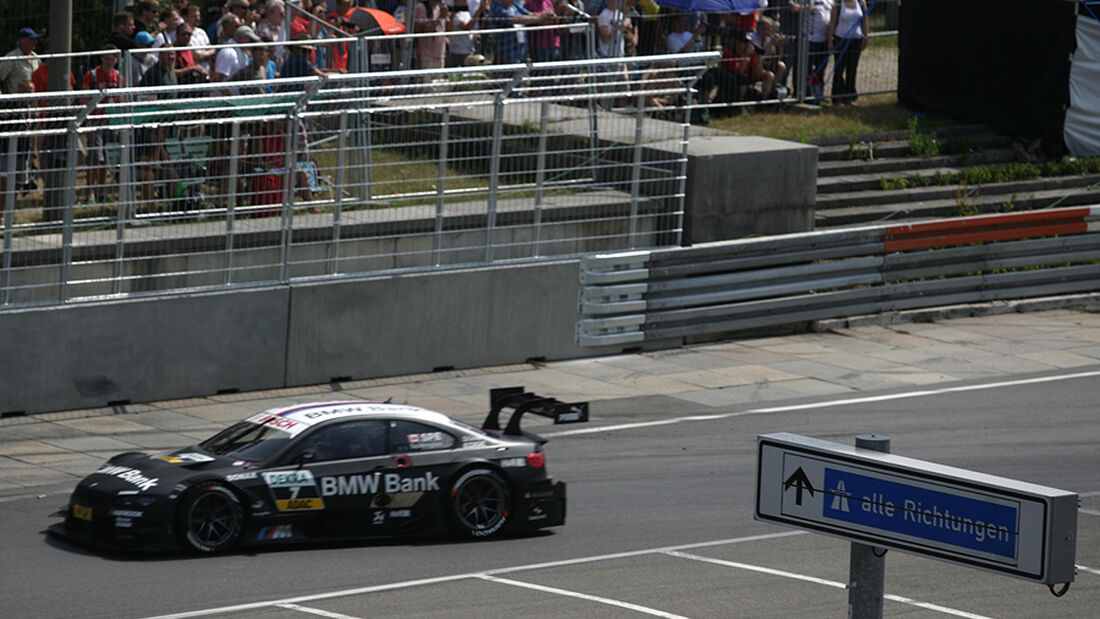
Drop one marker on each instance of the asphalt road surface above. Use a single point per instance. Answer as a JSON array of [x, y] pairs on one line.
[[660, 524]]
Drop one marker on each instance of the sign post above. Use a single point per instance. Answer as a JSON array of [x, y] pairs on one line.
[[867, 567], [881, 500]]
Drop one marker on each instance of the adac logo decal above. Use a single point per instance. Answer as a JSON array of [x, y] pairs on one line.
[[294, 490]]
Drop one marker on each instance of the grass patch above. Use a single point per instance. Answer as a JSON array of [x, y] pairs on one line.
[[978, 175], [873, 113]]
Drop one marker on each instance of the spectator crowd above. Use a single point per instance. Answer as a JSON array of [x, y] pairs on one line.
[[758, 44], [159, 43]]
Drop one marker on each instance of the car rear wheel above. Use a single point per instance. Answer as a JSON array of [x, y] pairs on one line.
[[480, 503], [210, 519]]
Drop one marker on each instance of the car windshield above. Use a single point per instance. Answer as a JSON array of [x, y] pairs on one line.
[[246, 440]]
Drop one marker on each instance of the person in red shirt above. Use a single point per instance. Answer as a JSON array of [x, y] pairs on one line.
[[740, 68], [102, 77], [299, 23]]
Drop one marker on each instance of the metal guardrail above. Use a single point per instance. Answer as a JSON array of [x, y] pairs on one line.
[[641, 296]]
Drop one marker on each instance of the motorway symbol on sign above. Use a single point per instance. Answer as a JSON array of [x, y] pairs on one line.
[[886, 500]]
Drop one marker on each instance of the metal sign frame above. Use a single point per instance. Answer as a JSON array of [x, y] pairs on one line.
[[993, 523]]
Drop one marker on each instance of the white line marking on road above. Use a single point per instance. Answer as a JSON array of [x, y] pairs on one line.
[[1091, 512], [581, 596], [315, 611], [812, 405], [442, 579], [1090, 570], [822, 581]]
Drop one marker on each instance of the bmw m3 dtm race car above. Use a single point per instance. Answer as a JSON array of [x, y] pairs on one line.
[[340, 470]]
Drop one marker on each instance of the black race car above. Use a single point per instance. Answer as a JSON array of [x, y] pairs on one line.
[[330, 470]]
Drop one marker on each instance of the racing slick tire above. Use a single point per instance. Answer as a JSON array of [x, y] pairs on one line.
[[210, 519], [480, 503]]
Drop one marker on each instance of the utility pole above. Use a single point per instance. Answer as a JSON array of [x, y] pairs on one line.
[[61, 42]]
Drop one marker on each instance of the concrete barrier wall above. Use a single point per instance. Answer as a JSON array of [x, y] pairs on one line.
[[98, 354], [416, 323], [157, 348]]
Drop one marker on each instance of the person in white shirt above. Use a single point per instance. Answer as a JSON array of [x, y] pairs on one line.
[[612, 28], [233, 59], [847, 38], [199, 38], [14, 72], [464, 18]]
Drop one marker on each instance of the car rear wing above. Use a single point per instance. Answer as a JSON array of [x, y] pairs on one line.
[[523, 402]]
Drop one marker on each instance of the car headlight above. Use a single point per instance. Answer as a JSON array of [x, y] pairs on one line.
[[134, 501]]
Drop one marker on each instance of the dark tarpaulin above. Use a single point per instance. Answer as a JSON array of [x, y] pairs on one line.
[[1000, 62]]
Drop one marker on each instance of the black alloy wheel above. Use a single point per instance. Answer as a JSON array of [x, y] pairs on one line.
[[211, 519], [480, 502]]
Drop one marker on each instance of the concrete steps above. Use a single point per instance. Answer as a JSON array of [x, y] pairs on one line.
[[851, 170]]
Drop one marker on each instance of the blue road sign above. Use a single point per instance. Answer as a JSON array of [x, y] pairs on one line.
[[885, 500], [904, 509]]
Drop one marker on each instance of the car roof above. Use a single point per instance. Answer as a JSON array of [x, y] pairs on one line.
[[297, 418]]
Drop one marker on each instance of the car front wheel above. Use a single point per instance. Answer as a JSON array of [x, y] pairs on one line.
[[210, 519], [480, 503]]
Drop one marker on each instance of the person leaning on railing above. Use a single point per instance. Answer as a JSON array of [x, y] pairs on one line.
[[14, 72], [189, 71], [198, 37], [463, 19], [102, 77], [430, 17], [155, 172], [683, 38], [511, 47], [16, 117]]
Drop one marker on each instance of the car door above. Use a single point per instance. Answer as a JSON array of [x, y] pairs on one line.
[[334, 471], [416, 491]]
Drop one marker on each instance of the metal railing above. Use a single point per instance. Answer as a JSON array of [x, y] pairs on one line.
[[733, 286], [207, 186]]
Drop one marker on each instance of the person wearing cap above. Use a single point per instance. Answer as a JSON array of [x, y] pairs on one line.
[[740, 68], [232, 59], [297, 63], [140, 62], [15, 72]]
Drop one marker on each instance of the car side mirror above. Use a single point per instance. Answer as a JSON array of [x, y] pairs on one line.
[[305, 457]]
